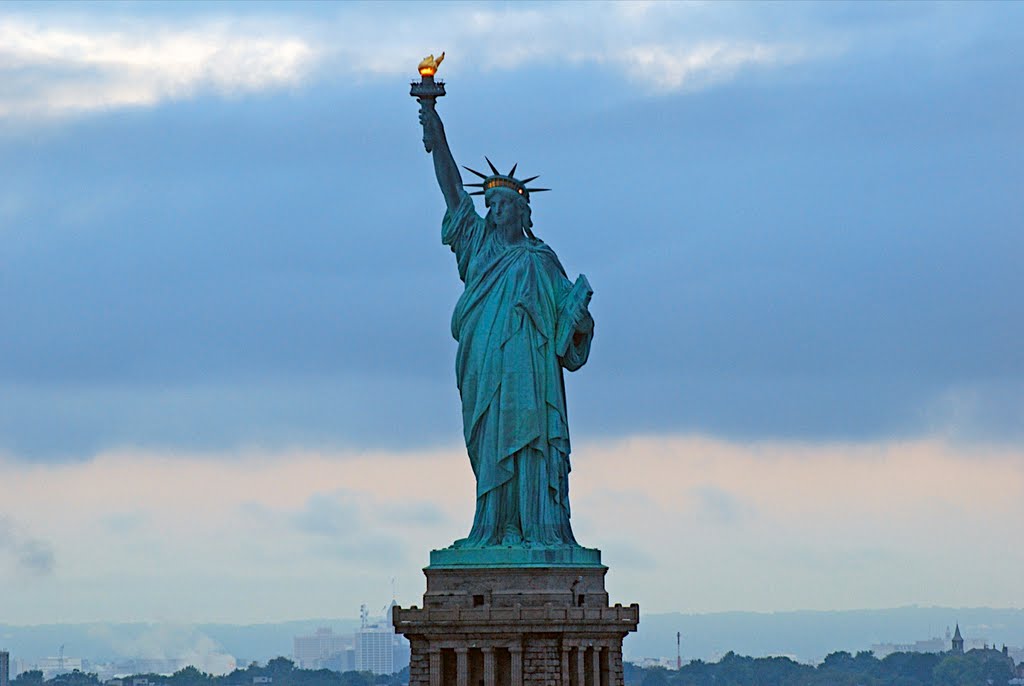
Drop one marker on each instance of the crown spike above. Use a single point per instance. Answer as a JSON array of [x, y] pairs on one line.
[[477, 193], [526, 181], [482, 176], [537, 190], [513, 172], [493, 168]]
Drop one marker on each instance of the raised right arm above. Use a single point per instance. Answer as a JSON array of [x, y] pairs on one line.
[[448, 177]]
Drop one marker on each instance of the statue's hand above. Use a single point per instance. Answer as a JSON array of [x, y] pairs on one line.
[[433, 130], [584, 322]]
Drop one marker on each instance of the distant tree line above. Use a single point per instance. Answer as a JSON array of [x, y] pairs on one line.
[[975, 668], [281, 671]]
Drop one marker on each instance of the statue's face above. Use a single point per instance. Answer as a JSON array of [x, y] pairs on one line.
[[505, 208]]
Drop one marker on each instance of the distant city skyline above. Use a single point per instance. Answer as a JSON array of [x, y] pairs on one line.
[[808, 637], [371, 647]]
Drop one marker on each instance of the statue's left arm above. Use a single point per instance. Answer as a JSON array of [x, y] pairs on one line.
[[578, 351]]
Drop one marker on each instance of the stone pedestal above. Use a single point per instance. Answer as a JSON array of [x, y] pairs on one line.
[[516, 626]]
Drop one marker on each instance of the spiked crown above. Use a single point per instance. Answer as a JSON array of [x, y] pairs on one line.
[[498, 180]]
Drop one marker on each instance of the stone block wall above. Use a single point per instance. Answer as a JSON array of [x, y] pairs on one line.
[[542, 662], [419, 663]]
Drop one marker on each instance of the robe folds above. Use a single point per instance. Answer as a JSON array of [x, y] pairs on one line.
[[509, 375]]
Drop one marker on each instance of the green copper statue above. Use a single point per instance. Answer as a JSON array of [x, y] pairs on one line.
[[519, 322]]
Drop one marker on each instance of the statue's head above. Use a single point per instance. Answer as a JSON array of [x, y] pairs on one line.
[[508, 211], [507, 198]]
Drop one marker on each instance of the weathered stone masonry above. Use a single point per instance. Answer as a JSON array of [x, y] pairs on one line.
[[516, 627]]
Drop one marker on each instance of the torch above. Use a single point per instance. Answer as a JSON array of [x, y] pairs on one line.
[[427, 90]]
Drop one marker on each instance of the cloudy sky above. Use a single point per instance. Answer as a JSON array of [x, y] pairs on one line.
[[226, 373]]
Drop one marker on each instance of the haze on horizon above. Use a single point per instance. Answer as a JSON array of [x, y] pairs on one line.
[[226, 376]]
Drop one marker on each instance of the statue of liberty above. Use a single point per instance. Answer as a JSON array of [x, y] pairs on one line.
[[519, 322]]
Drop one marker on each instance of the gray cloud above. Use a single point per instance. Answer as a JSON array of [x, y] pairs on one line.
[[31, 556], [719, 506], [348, 525], [827, 252], [415, 514], [629, 555], [67, 67], [384, 552], [345, 512], [332, 515]]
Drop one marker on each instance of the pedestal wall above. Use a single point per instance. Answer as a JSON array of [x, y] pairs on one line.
[[516, 627]]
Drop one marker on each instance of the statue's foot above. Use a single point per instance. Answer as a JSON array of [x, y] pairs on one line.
[[511, 538]]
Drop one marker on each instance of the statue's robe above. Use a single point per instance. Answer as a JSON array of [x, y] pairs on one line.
[[510, 380]]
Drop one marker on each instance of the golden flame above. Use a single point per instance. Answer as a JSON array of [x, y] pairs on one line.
[[428, 67]]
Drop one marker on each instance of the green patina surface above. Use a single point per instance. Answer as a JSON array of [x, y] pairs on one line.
[[515, 556], [519, 323]]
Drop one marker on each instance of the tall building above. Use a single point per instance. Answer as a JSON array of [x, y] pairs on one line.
[[52, 666], [321, 649], [5, 668], [375, 644], [375, 650]]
